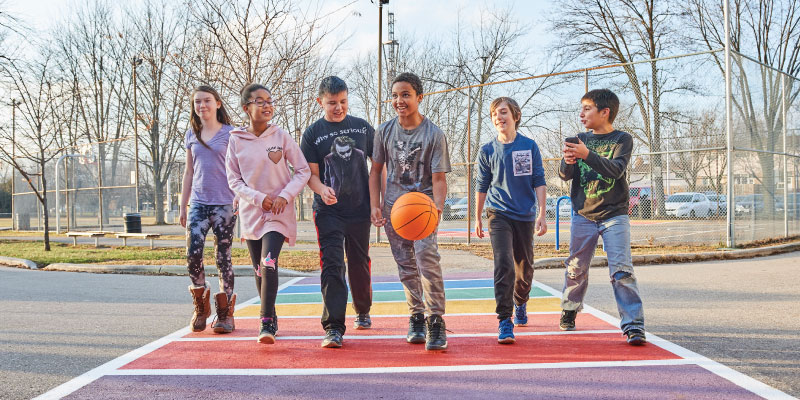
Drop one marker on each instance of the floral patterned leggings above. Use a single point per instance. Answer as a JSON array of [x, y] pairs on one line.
[[221, 221]]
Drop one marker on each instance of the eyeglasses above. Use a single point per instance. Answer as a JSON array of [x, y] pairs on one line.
[[261, 102]]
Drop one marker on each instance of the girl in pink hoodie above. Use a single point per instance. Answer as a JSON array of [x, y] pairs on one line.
[[259, 174]]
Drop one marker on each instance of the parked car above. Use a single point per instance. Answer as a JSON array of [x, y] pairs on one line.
[[641, 201], [550, 208], [719, 203], [565, 209], [749, 204], [447, 210], [460, 208], [688, 204]]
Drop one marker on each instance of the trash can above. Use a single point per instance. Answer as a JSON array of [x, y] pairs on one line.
[[132, 222], [22, 221]]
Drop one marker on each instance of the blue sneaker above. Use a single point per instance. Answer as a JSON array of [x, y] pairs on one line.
[[521, 314], [506, 330]]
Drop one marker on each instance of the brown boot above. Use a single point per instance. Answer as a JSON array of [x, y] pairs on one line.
[[224, 321], [202, 307]]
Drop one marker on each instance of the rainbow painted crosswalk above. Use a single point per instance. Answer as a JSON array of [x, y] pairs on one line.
[[545, 362]]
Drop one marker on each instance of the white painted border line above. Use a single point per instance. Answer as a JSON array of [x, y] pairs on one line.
[[398, 337], [413, 369], [736, 377], [111, 366]]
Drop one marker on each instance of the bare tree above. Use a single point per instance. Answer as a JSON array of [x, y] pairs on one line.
[[37, 142], [770, 31], [623, 31], [164, 87]]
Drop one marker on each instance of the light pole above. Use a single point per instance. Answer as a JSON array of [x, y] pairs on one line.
[[14, 104], [136, 61], [380, 81]]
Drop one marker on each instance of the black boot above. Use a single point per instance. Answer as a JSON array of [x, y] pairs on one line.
[[416, 329], [436, 338]]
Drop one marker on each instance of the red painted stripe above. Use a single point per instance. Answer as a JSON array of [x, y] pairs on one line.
[[396, 353], [462, 324]]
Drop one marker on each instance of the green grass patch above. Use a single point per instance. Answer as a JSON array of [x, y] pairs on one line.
[[300, 260]]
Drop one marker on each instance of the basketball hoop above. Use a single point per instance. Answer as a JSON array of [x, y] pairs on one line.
[[86, 155]]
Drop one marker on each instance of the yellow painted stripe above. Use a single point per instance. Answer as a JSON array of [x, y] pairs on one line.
[[398, 308]]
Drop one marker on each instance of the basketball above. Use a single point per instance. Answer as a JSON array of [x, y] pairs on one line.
[[414, 216]]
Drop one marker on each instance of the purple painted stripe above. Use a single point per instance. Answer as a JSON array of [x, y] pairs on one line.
[[653, 382]]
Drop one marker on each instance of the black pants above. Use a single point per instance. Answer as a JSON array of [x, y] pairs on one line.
[[338, 236], [512, 244], [264, 255]]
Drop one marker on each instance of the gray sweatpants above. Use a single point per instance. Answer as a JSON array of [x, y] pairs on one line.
[[419, 270]]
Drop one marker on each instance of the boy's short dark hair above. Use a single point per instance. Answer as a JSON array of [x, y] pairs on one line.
[[331, 85], [516, 111], [412, 79], [604, 98]]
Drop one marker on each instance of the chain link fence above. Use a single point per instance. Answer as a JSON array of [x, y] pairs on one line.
[[678, 174]]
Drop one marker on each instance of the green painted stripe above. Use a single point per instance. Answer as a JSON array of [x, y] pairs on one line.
[[450, 294]]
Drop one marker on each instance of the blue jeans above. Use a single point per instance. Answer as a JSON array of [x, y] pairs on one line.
[[616, 233]]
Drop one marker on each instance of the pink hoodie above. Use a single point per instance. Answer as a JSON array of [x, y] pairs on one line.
[[256, 167]]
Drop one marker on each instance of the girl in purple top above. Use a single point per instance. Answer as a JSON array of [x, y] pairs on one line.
[[205, 186]]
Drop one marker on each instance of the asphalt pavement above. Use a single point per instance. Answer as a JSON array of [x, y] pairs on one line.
[[58, 325]]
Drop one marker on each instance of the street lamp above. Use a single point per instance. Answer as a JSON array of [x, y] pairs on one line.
[[14, 104], [136, 61]]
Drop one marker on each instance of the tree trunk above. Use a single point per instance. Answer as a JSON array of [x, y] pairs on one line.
[[158, 200], [45, 214]]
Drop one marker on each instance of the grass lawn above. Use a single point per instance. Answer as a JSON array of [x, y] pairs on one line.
[[302, 260]]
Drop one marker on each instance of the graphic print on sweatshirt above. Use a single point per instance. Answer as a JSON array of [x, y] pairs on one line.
[[595, 185], [346, 171], [275, 153], [523, 162], [408, 161]]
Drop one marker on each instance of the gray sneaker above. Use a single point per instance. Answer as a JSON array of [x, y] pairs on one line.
[[333, 339], [362, 322]]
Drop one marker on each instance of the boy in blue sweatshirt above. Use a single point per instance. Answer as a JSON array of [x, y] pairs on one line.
[[597, 165], [511, 184]]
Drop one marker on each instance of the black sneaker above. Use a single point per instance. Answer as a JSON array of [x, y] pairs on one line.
[[362, 322], [333, 339], [436, 338], [635, 337], [567, 322], [416, 329], [268, 331]]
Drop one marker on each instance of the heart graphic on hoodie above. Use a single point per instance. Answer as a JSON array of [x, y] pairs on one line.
[[275, 155]]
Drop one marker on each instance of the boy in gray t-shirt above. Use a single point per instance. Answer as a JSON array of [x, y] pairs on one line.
[[414, 151]]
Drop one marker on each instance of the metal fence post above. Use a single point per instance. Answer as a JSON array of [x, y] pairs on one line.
[[730, 241]]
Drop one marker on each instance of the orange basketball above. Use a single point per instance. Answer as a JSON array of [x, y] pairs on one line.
[[414, 216]]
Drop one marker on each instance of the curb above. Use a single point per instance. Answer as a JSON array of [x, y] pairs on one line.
[[18, 263], [238, 270], [544, 263], [647, 259]]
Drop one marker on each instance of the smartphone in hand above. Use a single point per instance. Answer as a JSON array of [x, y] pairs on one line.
[[572, 139]]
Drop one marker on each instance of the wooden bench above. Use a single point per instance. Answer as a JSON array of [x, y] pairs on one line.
[[94, 234], [124, 236]]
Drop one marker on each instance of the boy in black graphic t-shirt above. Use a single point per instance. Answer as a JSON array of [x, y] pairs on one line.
[[336, 148], [597, 165]]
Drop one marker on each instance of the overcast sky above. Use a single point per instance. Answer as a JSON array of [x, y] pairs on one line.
[[421, 18]]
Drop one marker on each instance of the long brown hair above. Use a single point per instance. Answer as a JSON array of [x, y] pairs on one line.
[[197, 124]]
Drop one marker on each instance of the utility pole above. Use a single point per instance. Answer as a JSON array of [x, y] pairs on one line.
[[380, 81], [392, 46], [136, 62]]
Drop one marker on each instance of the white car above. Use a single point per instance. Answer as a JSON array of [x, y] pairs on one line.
[[689, 204], [565, 209], [460, 208]]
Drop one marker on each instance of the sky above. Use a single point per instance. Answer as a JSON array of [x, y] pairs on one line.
[[430, 18]]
